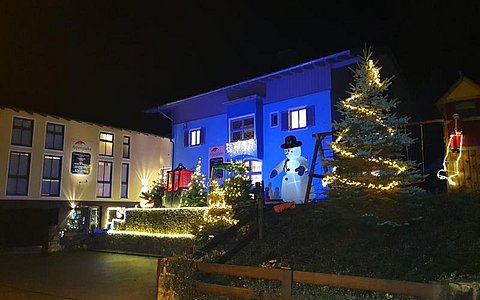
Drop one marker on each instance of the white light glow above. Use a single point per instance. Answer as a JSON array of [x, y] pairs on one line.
[[245, 147], [455, 172], [159, 235]]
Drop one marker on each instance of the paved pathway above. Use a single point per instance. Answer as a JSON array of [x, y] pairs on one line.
[[76, 275]]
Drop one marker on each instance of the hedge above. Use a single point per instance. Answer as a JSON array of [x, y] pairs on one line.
[[163, 220], [143, 244]]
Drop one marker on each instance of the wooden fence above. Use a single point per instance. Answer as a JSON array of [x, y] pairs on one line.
[[288, 277]]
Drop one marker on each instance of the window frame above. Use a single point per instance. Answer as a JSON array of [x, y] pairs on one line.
[[290, 118], [100, 141], [27, 177], [126, 183], [129, 146], [22, 130], [52, 178], [54, 134], [103, 182], [270, 119], [198, 133], [243, 129], [251, 173]]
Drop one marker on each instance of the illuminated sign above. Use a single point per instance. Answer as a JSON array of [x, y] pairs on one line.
[[81, 158], [80, 163]]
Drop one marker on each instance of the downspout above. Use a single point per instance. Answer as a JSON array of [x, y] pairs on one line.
[[173, 145]]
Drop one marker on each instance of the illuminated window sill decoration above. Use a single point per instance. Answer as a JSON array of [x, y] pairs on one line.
[[246, 147]]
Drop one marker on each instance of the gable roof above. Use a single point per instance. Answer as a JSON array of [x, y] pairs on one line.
[[463, 89], [336, 60]]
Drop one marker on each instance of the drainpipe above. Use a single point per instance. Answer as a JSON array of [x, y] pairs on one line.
[[173, 145]]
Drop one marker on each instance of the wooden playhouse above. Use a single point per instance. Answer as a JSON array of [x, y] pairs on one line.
[[460, 107]]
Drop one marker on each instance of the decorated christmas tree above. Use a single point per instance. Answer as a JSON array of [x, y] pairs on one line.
[[369, 139], [196, 194], [219, 211], [238, 189]]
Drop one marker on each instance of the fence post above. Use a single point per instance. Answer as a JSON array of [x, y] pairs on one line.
[[287, 282], [164, 291], [260, 202]]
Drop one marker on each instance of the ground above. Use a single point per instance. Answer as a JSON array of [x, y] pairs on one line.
[[405, 239], [27, 274]]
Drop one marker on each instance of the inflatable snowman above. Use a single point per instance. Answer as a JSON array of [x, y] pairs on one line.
[[294, 182]]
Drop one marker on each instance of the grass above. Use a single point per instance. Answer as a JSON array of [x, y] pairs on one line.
[[435, 238]]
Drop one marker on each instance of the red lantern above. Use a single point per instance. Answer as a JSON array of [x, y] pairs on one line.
[[178, 178]]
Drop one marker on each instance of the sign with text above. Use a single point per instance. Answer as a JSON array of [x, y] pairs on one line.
[[216, 156], [81, 158], [80, 163]]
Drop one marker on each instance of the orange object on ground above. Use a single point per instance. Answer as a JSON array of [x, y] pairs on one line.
[[281, 207]]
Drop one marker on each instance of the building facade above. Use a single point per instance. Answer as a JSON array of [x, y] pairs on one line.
[[460, 106], [54, 164], [266, 121]]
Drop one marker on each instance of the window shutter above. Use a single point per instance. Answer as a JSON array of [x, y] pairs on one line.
[[202, 136], [284, 117], [311, 115], [186, 138]]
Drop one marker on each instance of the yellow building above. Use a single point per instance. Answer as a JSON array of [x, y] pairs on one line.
[[54, 164]]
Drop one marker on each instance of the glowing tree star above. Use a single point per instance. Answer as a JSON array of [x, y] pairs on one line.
[[367, 143]]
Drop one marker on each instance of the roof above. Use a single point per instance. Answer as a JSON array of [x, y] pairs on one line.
[[463, 89], [335, 60], [2, 106]]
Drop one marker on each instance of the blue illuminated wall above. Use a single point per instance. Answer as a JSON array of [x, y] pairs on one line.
[[310, 86], [215, 133], [276, 135]]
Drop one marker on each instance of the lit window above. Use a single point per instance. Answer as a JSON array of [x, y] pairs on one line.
[[124, 191], [126, 147], [54, 136], [242, 129], [22, 132], [255, 170], [195, 137], [18, 173], [52, 170], [106, 144], [104, 179], [298, 118]]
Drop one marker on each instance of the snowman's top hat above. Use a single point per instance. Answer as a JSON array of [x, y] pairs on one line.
[[291, 142]]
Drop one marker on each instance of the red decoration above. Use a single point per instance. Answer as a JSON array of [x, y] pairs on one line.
[[178, 178], [455, 130]]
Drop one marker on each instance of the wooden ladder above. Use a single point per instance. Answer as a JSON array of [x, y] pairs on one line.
[[318, 149]]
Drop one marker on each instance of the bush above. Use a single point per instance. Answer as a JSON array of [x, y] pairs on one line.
[[163, 221]]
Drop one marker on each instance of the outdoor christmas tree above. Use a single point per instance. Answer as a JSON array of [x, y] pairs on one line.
[[238, 189], [219, 211], [196, 194], [369, 139]]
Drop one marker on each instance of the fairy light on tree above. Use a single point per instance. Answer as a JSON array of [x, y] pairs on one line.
[[238, 189], [218, 209], [368, 143], [196, 194]]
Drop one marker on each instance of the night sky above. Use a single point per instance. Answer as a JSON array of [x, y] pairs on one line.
[[106, 61]]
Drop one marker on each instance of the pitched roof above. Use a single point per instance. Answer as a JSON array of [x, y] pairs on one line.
[[334, 59], [463, 89]]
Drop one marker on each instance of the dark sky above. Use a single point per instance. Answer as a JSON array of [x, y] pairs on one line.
[[106, 61]]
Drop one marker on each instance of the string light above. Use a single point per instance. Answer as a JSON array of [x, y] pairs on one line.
[[352, 104], [158, 235], [456, 171], [241, 147]]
